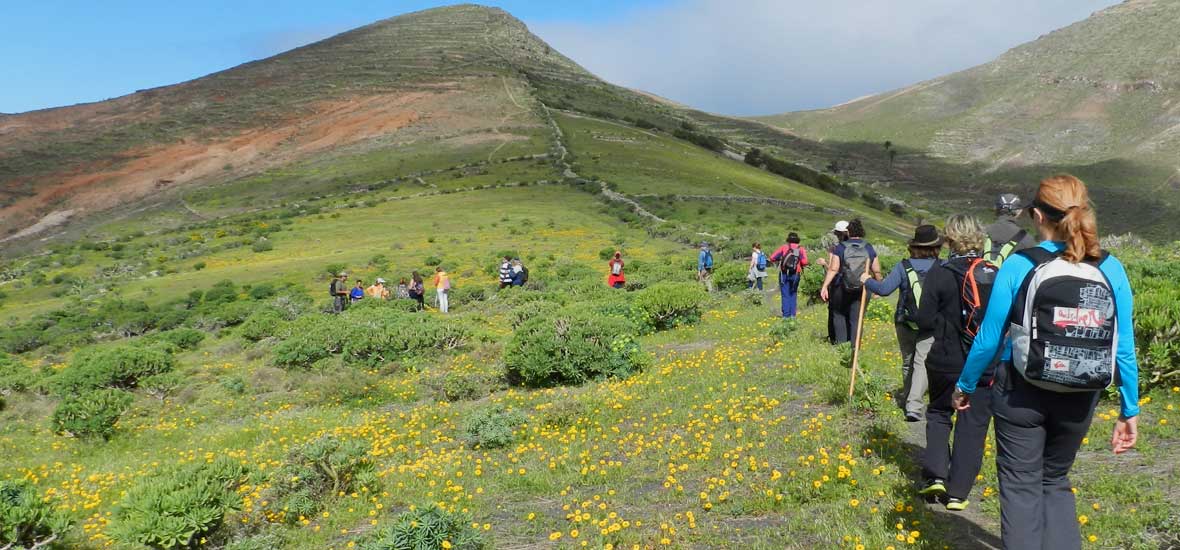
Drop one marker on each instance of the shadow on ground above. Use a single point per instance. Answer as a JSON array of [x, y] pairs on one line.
[[969, 530]]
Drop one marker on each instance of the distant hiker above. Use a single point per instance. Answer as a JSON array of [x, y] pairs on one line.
[[840, 231], [442, 287], [616, 279], [705, 267], [790, 258], [358, 292], [758, 261], [954, 298], [520, 273], [907, 276], [338, 289], [506, 272], [403, 290], [842, 284], [1076, 305], [1006, 236], [378, 290], [418, 290]]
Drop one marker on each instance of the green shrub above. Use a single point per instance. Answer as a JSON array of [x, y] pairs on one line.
[[26, 519], [426, 528], [493, 427], [571, 347], [458, 386], [391, 335], [181, 338], [784, 328], [316, 472], [262, 291], [432, 261], [668, 305], [879, 310], [15, 377], [529, 310], [261, 324], [118, 366], [91, 413], [1157, 321], [312, 338], [179, 507], [161, 385], [221, 292], [262, 245], [730, 276]]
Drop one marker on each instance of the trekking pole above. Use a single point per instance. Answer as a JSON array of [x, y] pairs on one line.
[[860, 322]]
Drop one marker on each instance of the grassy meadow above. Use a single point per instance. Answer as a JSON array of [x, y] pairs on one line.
[[182, 387]]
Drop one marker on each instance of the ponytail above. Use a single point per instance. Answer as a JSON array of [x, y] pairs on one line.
[[1065, 202]]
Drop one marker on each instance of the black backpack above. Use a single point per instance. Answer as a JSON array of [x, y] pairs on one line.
[[976, 279], [855, 261], [524, 274], [908, 312], [789, 263]]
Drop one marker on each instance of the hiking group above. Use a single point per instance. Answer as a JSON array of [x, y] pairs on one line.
[[407, 289], [1009, 329]]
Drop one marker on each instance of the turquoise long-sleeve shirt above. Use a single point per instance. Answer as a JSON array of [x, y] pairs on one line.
[[993, 330]]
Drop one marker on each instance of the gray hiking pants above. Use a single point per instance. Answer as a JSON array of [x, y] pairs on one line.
[[1038, 433], [913, 370]]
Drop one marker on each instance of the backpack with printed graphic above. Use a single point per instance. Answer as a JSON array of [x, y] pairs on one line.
[[1063, 325]]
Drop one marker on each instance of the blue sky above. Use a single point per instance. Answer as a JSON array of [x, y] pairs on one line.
[[728, 56]]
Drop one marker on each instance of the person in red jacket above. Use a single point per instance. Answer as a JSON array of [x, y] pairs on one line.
[[790, 258], [616, 279]]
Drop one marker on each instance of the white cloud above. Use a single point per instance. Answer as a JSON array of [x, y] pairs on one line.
[[766, 56]]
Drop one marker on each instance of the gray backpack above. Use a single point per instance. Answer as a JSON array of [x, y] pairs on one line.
[[854, 262]]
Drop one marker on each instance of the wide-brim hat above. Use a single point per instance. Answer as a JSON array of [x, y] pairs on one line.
[[926, 235], [841, 226], [380, 280]]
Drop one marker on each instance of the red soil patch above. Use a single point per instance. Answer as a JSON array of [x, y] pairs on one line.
[[135, 174]]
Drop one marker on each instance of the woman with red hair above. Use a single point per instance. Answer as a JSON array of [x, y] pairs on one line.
[[1059, 320]]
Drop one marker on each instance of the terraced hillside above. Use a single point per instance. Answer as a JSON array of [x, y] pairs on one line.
[[1100, 97]]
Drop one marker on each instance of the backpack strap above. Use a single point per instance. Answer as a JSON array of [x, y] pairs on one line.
[[1038, 256]]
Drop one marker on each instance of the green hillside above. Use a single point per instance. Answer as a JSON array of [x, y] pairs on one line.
[[1100, 94]]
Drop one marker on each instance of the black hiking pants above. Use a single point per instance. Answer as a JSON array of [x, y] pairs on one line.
[[843, 311], [1038, 433], [957, 465]]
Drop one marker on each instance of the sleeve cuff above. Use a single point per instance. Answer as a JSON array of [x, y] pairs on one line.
[[965, 389]]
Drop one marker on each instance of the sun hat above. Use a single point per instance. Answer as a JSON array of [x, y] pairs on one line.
[[841, 226], [926, 235], [380, 280]]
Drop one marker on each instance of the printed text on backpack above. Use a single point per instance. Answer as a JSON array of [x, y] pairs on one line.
[[1063, 326]]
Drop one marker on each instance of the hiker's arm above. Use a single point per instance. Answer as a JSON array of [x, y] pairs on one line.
[[875, 267], [991, 331], [887, 285], [1128, 365], [833, 268], [803, 262]]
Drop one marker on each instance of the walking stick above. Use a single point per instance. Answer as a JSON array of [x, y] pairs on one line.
[[860, 322]]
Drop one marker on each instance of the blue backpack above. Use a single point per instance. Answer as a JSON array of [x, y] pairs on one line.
[[761, 261], [708, 259]]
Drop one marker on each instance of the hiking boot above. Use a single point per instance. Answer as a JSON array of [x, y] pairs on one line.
[[957, 504], [933, 489], [913, 417]]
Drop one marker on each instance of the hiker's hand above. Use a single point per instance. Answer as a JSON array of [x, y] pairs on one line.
[[960, 400], [864, 277], [823, 294], [1126, 433], [822, 262]]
